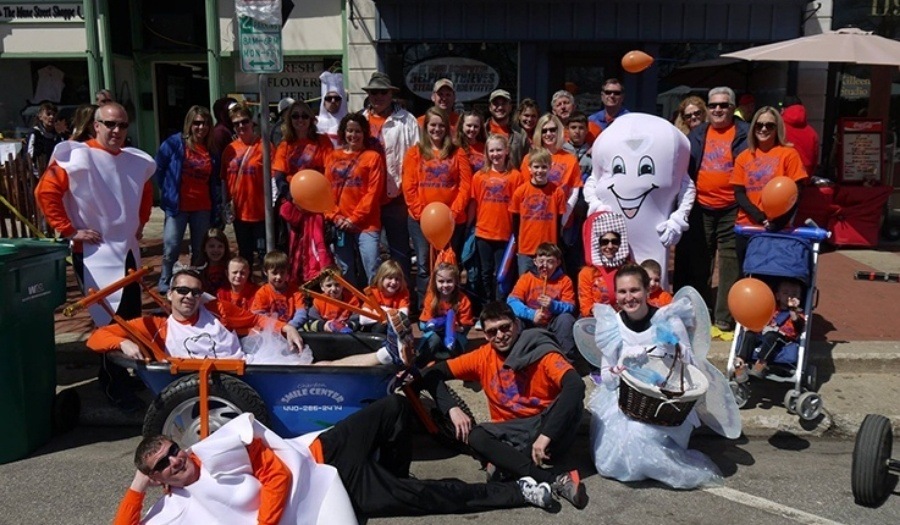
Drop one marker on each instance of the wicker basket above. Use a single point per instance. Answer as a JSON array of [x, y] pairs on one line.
[[650, 404]]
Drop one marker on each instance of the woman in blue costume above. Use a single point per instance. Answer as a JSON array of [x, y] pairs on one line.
[[630, 450]]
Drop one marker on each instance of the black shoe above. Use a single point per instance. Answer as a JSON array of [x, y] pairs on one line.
[[569, 487]]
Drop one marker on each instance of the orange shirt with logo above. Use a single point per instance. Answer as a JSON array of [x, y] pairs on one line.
[[242, 171], [333, 312], [714, 189], [492, 192], [357, 180], [278, 304], [195, 172], [463, 310], [437, 180], [539, 209], [564, 171], [530, 287], [397, 301], [303, 154], [753, 170], [596, 285], [242, 299]]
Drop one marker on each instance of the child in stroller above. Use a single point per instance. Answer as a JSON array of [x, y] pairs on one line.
[[784, 328]]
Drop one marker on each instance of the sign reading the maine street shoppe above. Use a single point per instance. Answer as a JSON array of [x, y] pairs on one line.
[[31, 13]]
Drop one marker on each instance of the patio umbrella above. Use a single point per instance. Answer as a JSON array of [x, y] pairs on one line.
[[849, 44]]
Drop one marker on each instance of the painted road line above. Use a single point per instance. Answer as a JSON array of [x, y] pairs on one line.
[[770, 506]]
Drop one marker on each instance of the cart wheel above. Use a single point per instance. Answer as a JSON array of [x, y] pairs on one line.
[[790, 401], [66, 410], [741, 393], [176, 411], [811, 379], [871, 453], [809, 406]]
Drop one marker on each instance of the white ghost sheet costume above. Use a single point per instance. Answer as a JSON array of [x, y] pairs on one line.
[[639, 169], [630, 450], [227, 492], [105, 192], [327, 123]]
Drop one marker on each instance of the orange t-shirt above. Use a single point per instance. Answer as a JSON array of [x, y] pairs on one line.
[[243, 175], [303, 154], [714, 189], [333, 312], [280, 305], [397, 301], [195, 172], [463, 310], [492, 192], [539, 209], [753, 170], [357, 179], [564, 171], [659, 298], [511, 394], [376, 122], [437, 180], [497, 129], [476, 156], [529, 288], [595, 286], [242, 299], [215, 277], [454, 122]]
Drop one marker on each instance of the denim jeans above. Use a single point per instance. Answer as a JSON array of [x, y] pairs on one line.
[[367, 245], [173, 234], [490, 253]]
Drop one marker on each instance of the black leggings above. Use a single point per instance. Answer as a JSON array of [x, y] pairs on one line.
[[382, 487]]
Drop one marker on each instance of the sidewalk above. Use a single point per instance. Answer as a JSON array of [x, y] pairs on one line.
[[856, 348]]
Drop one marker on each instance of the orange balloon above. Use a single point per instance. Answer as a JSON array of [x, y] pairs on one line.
[[437, 224], [778, 196], [636, 61], [752, 303], [312, 191]]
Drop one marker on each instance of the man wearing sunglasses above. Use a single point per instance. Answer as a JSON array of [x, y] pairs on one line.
[[612, 95], [714, 146], [244, 473], [333, 106], [194, 329], [98, 194], [535, 399]]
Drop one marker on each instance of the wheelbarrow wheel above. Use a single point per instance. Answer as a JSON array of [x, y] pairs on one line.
[[871, 453], [176, 411]]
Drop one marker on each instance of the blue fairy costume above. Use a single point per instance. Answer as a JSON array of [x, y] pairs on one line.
[[630, 450]]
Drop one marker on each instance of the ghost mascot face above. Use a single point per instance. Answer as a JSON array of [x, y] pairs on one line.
[[639, 167]]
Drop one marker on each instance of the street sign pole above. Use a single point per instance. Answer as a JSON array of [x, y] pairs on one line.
[[267, 163]]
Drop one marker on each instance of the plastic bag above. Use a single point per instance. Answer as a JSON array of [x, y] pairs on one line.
[[268, 347]]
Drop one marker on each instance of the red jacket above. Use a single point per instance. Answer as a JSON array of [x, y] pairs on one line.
[[804, 138]]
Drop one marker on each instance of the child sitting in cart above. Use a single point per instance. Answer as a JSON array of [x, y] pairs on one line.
[[279, 297], [240, 290], [327, 317], [785, 327]]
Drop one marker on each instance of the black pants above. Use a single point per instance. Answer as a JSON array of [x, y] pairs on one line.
[[383, 488], [251, 237], [490, 255], [769, 343]]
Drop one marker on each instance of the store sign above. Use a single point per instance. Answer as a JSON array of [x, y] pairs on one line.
[[31, 13], [471, 78], [885, 7], [299, 80]]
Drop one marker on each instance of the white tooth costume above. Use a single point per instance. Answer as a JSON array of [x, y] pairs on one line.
[[640, 170], [327, 123], [104, 195]]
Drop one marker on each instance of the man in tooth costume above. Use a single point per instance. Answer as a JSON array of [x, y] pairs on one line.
[[327, 123], [640, 171]]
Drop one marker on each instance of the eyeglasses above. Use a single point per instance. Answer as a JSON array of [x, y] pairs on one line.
[[332, 99], [242, 122], [544, 131], [113, 124], [615, 242], [164, 462], [768, 126], [696, 114], [492, 332], [200, 123], [717, 105], [185, 290], [298, 116], [612, 92], [378, 92]]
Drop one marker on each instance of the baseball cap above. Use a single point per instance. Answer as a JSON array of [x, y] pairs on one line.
[[500, 93], [444, 82], [284, 103]]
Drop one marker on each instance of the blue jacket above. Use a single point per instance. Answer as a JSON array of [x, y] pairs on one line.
[[556, 306], [169, 160], [697, 138]]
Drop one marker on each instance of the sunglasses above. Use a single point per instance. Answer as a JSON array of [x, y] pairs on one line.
[[185, 290], [614, 242], [696, 114], [200, 123], [298, 116], [492, 332], [332, 99], [378, 91], [548, 130], [612, 93], [242, 122], [768, 126], [113, 124], [164, 462], [722, 105]]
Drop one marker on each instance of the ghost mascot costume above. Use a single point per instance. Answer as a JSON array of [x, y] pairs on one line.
[[640, 171]]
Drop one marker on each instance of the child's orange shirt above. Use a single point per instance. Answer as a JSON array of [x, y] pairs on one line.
[[492, 192], [332, 312], [530, 287], [357, 182], [596, 285], [215, 277], [463, 310], [281, 305], [243, 175], [753, 170], [303, 154], [437, 180], [564, 171], [475, 154], [242, 299], [659, 298], [397, 301], [539, 209]]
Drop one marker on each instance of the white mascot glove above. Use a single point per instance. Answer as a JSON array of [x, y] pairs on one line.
[[670, 230]]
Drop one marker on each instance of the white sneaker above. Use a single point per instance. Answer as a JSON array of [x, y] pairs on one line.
[[537, 494], [400, 343]]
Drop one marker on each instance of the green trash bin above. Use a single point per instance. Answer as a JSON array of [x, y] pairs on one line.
[[32, 285]]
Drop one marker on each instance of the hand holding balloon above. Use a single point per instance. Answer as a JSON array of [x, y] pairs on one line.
[[778, 197], [312, 191]]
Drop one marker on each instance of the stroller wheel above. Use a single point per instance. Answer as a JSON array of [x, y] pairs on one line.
[[741, 393], [790, 401], [809, 406], [811, 379]]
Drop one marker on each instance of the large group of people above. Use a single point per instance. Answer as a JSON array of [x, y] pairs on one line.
[[556, 204]]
